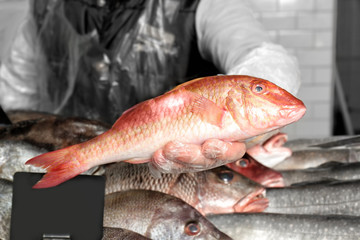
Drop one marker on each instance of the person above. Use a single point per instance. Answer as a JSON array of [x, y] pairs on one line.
[[97, 58]]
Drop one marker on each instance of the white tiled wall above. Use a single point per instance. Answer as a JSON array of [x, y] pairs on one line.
[[306, 28]]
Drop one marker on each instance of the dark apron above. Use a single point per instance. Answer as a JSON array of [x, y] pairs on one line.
[[103, 57]]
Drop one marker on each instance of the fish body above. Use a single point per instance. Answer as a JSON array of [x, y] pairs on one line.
[[272, 226], [252, 169], [157, 216], [306, 143], [218, 190], [221, 107], [14, 154], [120, 233], [311, 158], [53, 132], [6, 187], [330, 170], [320, 198]]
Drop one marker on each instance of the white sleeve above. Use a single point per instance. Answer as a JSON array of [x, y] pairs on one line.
[[230, 36], [20, 70]]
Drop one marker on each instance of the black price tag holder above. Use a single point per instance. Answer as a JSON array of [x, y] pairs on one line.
[[71, 210]]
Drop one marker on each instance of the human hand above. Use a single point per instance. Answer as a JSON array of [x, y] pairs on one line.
[[177, 157]]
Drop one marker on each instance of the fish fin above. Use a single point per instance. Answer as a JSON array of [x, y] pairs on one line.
[[206, 109], [60, 165], [234, 107]]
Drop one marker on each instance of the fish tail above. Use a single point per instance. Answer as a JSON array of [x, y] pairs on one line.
[[61, 165]]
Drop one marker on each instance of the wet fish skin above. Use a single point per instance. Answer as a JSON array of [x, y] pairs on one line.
[[120, 233], [54, 132], [218, 190], [310, 158], [218, 107], [257, 172], [157, 216], [272, 226], [14, 154], [320, 198], [330, 170], [5, 208], [309, 143]]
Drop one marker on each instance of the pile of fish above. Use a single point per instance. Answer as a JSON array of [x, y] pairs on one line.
[[280, 189]]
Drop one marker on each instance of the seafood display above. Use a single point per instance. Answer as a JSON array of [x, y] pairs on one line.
[[280, 189]]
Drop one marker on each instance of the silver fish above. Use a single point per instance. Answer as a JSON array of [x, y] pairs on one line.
[[330, 170], [14, 154], [5, 208], [309, 158], [272, 226], [321, 198], [157, 215], [306, 143]]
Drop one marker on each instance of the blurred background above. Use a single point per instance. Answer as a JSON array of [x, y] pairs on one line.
[[323, 34]]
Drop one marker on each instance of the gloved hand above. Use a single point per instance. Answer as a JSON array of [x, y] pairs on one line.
[[178, 157]]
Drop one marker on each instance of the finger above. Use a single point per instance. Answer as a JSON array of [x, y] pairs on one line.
[[222, 150]]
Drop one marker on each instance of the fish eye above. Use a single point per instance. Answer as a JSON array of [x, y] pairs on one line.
[[226, 176], [258, 88], [242, 162], [192, 228]]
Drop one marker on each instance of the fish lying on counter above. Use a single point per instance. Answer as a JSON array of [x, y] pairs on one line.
[[157, 215], [319, 198], [311, 158], [53, 132], [14, 154], [121, 234], [330, 170], [306, 143], [272, 151], [218, 190], [221, 107], [5, 208], [257, 172], [272, 226]]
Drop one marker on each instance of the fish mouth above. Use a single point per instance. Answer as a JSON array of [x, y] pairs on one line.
[[253, 202], [291, 114], [274, 183]]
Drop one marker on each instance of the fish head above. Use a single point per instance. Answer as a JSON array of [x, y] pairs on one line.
[[252, 169], [226, 191], [178, 220], [259, 106], [271, 152]]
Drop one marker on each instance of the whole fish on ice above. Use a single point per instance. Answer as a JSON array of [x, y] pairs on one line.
[[214, 191], [252, 169], [273, 226], [157, 215], [231, 108]]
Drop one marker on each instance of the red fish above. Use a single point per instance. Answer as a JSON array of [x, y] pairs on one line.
[[272, 151], [257, 172], [230, 108]]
